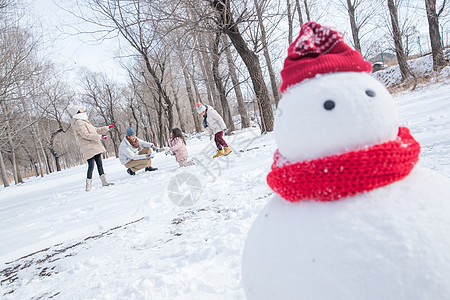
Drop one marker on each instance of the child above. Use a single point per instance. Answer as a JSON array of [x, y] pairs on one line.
[[214, 125], [177, 145]]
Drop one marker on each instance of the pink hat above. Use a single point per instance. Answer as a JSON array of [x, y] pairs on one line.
[[319, 50], [200, 107]]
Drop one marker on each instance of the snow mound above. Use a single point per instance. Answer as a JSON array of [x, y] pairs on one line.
[[422, 67]]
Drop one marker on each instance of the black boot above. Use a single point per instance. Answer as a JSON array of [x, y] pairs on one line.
[[150, 169], [130, 172]]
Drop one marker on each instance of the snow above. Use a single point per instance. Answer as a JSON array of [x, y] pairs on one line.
[[129, 241], [422, 67]]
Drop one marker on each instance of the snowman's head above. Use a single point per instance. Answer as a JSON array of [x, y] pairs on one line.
[[330, 103], [333, 114]]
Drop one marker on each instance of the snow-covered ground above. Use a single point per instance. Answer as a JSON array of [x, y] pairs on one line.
[[130, 241]]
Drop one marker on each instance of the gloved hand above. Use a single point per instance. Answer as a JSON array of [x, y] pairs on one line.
[[148, 156], [111, 126], [104, 137]]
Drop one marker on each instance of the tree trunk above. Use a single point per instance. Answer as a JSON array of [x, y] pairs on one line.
[[353, 26], [245, 121], [299, 12], [433, 27], [401, 57], [41, 146], [289, 19], [52, 150], [180, 115], [308, 17], [207, 62], [177, 104], [273, 80], [34, 166], [19, 175], [13, 156], [194, 85], [114, 133], [158, 82], [251, 61], [3, 171], [37, 151], [33, 133], [49, 164], [205, 79], [219, 85], [161, 122], [195, 116]]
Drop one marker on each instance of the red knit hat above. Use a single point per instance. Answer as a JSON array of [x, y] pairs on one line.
[[319, 50]]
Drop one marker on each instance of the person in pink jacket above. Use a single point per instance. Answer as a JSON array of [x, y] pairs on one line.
[[177, 146]]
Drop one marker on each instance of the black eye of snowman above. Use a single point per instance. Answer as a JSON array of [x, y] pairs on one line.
[[329, 104], [370, 93]]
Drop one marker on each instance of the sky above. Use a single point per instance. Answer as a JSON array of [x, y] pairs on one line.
[[74, 51]]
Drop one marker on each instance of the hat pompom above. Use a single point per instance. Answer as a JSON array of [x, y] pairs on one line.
[[319, 50]]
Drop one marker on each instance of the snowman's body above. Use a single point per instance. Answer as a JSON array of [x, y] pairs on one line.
[[392, 242]]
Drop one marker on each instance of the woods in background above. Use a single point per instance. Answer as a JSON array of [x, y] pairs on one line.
[[223, 53]]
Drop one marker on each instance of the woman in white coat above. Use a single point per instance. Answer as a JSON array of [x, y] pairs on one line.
[[89, 138], [214, 124]]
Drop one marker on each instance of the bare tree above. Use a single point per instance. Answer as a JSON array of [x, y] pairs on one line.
[[184, 66], [401, 57], [17, 68], [207, 62], [56, 97], [299, 12], [215, 53], [175, 91], [104, 96], [290, 18], [245, 121], [433, 28], [230, 27], [273, 81], [308, 15], [134, 21], [5, 179]]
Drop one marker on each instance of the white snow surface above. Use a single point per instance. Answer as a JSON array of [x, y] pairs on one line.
[[129, 241]]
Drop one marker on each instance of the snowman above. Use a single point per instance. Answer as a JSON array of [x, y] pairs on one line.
[[352, 216]]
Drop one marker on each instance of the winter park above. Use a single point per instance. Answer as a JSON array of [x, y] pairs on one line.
[[225, 149]]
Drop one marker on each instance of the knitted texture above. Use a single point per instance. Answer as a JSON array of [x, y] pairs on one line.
[[338, 176], [200, 108], [319, 50]]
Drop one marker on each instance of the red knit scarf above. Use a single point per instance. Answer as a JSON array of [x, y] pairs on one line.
[[338, 176]]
